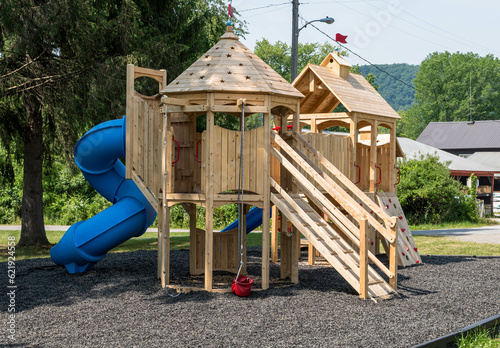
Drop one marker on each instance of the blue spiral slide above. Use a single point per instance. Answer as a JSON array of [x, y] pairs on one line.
[[86, 242]]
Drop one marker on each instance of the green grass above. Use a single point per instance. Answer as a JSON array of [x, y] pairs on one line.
[[427, 245], [437, 245], [452, 225], [148, 241], [480, 338]]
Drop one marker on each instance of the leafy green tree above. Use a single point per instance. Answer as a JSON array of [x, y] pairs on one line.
[[62, 69], [279, 55], [445, 84], [428, 194], [397, 94]]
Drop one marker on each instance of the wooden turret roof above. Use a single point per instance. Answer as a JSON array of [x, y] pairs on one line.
[[328, 84], [229, 66]]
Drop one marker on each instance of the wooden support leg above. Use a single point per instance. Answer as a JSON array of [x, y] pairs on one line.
[[393, 258], [274, 234], [265, 245], [363, 259], [295, 256], [285, 248], [165, 276], [192, 238]]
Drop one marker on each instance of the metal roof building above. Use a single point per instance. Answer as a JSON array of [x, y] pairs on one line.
[[462, 137]]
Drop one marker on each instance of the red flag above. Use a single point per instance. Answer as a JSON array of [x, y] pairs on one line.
[[340, 38], [230, 10]]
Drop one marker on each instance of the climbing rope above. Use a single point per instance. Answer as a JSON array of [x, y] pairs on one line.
[[240, 190]]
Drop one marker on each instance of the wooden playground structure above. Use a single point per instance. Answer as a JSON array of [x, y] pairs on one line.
[[324, 187]]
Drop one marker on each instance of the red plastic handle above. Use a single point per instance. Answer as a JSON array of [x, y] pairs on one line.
[[359, 173], [197, 143], [178, 151], [379, 174], [399, 175]]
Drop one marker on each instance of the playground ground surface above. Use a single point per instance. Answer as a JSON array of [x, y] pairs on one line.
[[120, 303]]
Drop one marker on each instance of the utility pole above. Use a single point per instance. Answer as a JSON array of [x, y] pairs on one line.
[[295, 38]]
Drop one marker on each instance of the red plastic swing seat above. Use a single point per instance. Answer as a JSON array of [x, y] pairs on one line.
[[242, 286]]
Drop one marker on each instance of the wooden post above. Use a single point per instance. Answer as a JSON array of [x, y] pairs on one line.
[[267, 198], [295, 232], [274, 235], [373, 156], [392, 159], [192, 238], [363, 259], [393, 257], [353, 134], [209, 195], [129, 112]]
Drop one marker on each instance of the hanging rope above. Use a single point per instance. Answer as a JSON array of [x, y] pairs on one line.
[[240, 189]]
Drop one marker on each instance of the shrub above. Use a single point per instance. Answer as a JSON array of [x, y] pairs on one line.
[[428, 194]]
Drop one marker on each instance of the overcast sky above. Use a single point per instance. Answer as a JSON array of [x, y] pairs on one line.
[[382, 31]]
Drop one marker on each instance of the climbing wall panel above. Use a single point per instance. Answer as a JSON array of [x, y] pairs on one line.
[[407, 249]]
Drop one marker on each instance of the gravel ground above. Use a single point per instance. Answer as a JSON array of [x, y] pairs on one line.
[[120, 303]]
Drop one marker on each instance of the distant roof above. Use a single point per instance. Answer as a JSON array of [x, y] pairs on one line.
[[414, 149], [462, 135], [491, 159], [230, 67]]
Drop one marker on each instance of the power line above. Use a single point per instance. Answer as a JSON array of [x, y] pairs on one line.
[[398, 29], [431, 31], [449, 33], [375, 66], [262, 7]]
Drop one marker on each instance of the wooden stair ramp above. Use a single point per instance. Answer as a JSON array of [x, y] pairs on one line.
[[322, 236]]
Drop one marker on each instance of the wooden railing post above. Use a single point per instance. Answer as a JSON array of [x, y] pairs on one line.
[[363, 259], [393, 256]]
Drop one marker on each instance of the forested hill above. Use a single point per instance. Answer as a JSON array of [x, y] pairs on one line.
[[398, 95]]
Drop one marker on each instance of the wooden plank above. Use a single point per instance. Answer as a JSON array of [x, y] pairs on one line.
[[217, 159], [209, 205], [249, 109], [345, 181], [264, 186], [363, 259], [145, 191], [192, 238], [275, 235], [129, 142], [393, 259], [224, 170]]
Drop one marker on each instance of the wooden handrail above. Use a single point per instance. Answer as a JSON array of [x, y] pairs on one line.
[[345, 181], [355, 240], [335, 190]]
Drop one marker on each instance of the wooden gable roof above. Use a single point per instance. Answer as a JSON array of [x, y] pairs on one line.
[[229, 66], [325, 87]]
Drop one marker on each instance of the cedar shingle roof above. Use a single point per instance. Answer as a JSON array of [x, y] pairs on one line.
[[354, 92], [230, 67]]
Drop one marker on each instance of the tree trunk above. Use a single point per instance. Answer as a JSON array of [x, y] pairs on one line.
[[33, 229]]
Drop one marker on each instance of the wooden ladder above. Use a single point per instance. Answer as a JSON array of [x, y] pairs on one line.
[[353, 266], [330, 245]]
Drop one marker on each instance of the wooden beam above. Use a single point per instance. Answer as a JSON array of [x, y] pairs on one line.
[[209, 204], [363, 259], [373, 156], [129, 112], [249, 109], [392, 159], [275, 235], [267, 199], [192, 238], [393, 257]]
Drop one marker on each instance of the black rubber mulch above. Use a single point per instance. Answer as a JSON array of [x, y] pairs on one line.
[[120, 303]]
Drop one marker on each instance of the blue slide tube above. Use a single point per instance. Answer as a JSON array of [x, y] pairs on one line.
[[86, 242], [254, 220]]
